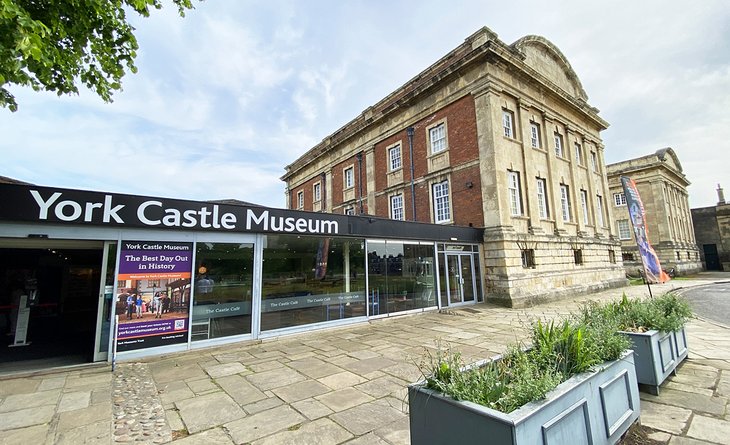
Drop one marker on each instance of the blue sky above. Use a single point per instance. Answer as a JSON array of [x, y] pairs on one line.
[[228, 96]]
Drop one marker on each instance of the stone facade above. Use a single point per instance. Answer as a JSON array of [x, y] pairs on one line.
[[662, 186], [712, 231], [483, 124]]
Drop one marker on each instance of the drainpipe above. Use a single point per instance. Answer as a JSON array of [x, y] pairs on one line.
[[359, 181], [410, 131], [323, 185]]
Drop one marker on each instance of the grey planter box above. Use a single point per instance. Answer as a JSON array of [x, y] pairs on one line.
[[657, 355], [591, 408]]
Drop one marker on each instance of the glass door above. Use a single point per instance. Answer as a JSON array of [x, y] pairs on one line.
[[460, 278], [106, 300]]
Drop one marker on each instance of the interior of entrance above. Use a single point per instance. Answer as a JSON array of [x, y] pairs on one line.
[[59, 284]]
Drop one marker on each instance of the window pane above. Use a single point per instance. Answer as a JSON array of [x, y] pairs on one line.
[[535, 135], [438, 138], [223, 290], [542, 199], [310, 280], [401, 276], [396, 207], [441, 202]]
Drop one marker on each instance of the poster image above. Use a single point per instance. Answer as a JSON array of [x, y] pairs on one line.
[[652, 269], [153, 293]]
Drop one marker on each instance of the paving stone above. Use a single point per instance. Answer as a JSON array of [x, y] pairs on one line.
[[17, 402], [368, 439], [177, 373], [664, 417], [52, 383], [95, 433], [208, 411], [683, 387], [224, 369], [396, 433], [275, 378], [174, 420], [91, 380], [709, 429], [215, 436], [365, 418], [82, 417], [26, 417], [343, 399], [263, 424], [383, 386], [25, 436], [364, 354], [240, 389], [319, 432], [681, 440], [301, 390], [688, 400], [202, 386], [694, 381], [101, 396], [366, 366], [18, 386], [263, 405], [344, 379], [169, 397], [73, 401], [313, 409], [659, 436], [314, 367]]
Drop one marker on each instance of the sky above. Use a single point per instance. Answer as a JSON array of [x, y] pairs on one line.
[[228, 96]]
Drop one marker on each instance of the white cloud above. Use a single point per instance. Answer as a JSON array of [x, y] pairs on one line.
[[228, 96]]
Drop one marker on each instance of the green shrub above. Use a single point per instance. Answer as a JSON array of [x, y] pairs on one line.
[[664, 313], [559, 351]]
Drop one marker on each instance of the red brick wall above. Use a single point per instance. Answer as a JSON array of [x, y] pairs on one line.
[[308, 188], [463, 147], [338, 180]]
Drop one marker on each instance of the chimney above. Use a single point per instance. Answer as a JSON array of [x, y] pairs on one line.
[[720, 195]]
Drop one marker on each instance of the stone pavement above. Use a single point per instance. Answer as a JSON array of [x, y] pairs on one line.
[[343, 385]]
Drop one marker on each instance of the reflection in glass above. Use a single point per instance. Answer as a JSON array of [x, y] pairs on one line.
[[223, 290], [401, 276], [310, 279]]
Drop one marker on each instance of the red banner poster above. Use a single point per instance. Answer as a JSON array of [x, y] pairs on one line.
[[652, 269]]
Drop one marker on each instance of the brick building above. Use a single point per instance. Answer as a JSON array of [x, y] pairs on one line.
[[491, 135], [663, 188], [712, 231]]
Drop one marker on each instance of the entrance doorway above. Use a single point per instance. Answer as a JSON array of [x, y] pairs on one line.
[[459, 275], [49, 300], [712, 259]]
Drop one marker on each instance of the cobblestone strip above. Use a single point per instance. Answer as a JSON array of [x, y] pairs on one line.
[[139, 416]]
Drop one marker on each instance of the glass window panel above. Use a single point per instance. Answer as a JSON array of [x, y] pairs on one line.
[[401, 276], [223, 290], [311, 280]]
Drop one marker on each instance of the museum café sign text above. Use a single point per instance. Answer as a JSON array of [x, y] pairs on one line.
[[73, 206]]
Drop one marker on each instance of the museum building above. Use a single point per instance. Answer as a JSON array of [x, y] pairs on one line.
[[493, 135], [662, 185], [185, 274]]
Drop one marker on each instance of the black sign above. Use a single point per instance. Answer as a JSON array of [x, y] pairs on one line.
[[43, 204], [29, 203]]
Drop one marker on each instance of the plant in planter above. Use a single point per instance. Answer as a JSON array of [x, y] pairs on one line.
[[656, 330], [576, 384]]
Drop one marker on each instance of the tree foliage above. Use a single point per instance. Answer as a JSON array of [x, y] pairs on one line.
[[54, 45]]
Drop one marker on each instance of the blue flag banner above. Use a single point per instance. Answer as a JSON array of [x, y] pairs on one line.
[[652, 269]]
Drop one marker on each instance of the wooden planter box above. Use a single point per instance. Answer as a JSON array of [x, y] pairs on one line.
[[657, 355], [591, 408]]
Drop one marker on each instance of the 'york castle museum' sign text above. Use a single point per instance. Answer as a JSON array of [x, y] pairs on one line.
[[52, 205]]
